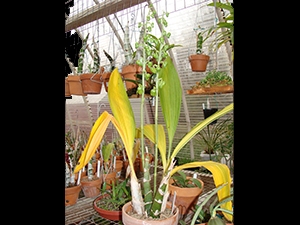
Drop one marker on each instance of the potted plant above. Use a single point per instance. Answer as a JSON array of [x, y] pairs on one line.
[[224, 28], [105, 72], [213, 139], [91, 82], [214, 214], [108, 171], [74, 145], [185, 190], [109, 204], [199, 60], [215, 81], [151, 203]]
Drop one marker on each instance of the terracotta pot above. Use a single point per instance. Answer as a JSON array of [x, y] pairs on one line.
[[105, 79], [141, 163], [108, 214], [71, 194], [75, 85], [83, 174], [129, 72], [130, 220], [198, 62], [91, 83], [136, 165], [119, 167], [186, 198], [91, 188], [67, 88], [112, 176]]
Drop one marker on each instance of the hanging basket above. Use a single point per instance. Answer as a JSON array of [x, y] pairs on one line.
[[198, 62], [91, 83]]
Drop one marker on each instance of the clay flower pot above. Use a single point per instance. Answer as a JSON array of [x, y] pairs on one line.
[[108, 214], [127, 219], [91, 83], [75, 85], [71, 195], [186, 198], [199, 62], [91, 188]]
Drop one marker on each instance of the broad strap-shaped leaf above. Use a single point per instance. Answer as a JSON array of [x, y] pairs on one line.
[[149, 132], [95, 138], [221, 175], [198, 127], [122, 111], [170, 95]]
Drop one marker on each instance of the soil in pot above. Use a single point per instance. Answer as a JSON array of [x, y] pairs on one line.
[[129, 218], [115, 215]]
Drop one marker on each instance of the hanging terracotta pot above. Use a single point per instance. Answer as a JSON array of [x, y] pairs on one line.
[[91, 83], [129, 72], [108, 214], [75, 85], [105, 79], [67, 88], [198, 62], [186, 198], [91, 188], [71, 194], [127, 219]]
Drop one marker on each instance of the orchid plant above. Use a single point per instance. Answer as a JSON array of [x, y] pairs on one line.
[[150, 200]]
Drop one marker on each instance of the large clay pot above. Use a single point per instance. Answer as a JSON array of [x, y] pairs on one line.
[[119, 167], [71, 195], [130, 220], [186, 198], [129, 72], [75, 85], [67, 88], [91, 188], [91, 83], [105, 79], [108, 214], [198, 62], [109, 178]]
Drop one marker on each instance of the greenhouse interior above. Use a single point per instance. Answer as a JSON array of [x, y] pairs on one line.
[[149, 133]]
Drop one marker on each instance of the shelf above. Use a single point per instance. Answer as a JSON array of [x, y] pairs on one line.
[[211, 90]]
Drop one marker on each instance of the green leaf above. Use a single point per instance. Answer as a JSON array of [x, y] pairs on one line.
[[170, 99]]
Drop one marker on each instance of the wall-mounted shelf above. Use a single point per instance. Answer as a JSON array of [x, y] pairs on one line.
[[211, 90]]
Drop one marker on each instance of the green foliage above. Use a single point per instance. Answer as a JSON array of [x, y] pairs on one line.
[[181, 180], [115, 197], [217, 138], [215, 78], [224, 29], [214, 215]]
